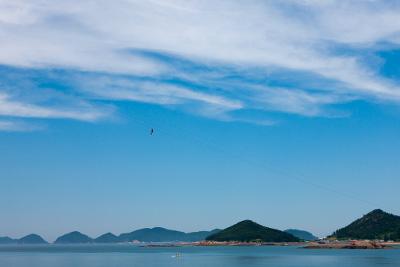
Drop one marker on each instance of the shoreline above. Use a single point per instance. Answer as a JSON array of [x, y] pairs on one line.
[[352, 244]]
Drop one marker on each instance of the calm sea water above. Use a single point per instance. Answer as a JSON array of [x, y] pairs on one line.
[[131, 256]]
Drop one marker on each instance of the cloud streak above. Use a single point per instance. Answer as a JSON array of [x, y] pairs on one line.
[[12, 108], [216, 57], [17, 126]]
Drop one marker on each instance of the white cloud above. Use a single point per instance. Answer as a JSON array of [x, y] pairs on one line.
[[299, 101], [13, 108], [296, 36], [151, 92], [17, 126]]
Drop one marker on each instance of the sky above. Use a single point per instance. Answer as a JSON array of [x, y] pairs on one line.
[[283, 112]]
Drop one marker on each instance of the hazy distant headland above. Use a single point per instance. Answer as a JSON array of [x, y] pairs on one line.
[[301, 234], [26, 240], [156, 234], [376, 225]]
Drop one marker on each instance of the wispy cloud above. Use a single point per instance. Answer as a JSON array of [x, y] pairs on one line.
[[151, 92], [208, 57], [17, 126], [13, 108]]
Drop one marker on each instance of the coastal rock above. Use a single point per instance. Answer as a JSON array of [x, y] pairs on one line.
[[357, 244]]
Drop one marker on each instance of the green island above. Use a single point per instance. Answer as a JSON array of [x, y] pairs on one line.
[[376, 225], [249, 231]]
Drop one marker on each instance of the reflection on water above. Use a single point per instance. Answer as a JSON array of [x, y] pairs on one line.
[[128, 256]]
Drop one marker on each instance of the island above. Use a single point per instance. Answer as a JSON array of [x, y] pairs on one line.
[[251, 232], [32, 239], [375, 230], [301, 234], [73, 238], [376, 225]]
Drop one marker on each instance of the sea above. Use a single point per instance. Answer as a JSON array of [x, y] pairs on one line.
[[126, 255]]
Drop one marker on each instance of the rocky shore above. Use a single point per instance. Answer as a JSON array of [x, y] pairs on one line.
[[237, 243], [354, 244], [348, 245], [225, 243]]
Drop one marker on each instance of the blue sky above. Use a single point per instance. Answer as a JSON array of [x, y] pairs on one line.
[[285, 113]]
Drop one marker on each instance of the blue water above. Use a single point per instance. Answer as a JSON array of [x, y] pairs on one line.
[[131, 256]]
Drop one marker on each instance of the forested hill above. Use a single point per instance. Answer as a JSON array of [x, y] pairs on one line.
[[248, 231], [375, 225]]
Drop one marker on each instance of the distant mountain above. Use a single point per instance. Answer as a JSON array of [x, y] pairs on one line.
[[73, 238], [159, 234], [375, 225], [107, 238], [301, 234], [247, 231], [32, 239], [201, 235], [5, 240]]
